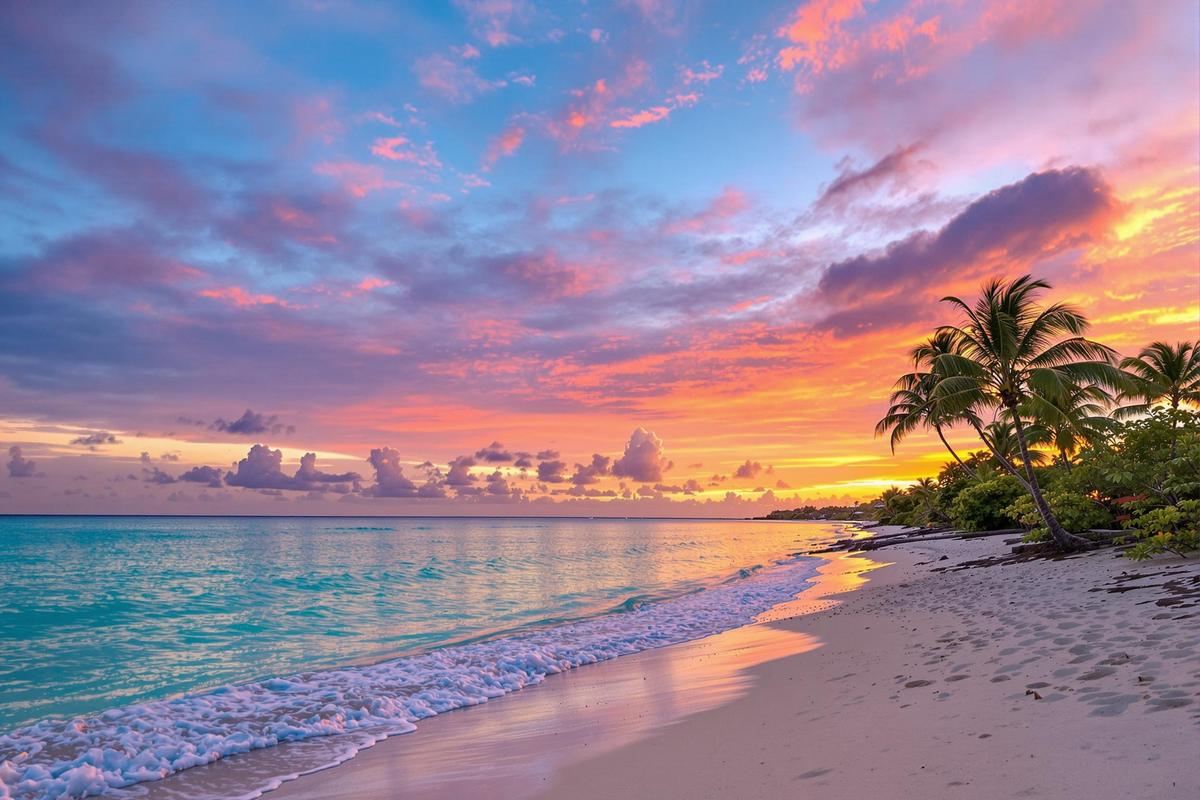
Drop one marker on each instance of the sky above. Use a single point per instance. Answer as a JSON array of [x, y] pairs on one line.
[[516, 257]]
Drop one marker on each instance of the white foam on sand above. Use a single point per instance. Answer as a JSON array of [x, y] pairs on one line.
[[124, 746]]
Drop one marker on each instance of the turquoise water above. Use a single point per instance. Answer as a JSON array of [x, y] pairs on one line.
[[101, 612]]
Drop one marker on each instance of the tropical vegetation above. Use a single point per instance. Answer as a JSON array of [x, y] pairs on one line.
[[1074, 438]]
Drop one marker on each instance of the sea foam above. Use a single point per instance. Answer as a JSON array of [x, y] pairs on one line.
[[118, 748]]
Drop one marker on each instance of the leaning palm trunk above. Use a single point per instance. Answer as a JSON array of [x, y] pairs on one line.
[[942, 436], [1060, 535]]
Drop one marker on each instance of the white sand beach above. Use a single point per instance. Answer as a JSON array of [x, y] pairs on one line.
[[1067, 678]]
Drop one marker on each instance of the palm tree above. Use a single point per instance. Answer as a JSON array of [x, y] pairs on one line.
[[1001, 439], [1017, 359], [1075, 419], [912, 404], [1163, 373], [925, 493]]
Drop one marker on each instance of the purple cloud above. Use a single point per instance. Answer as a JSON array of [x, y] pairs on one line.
[[209, 475], [552, 471], [262, 469], [252, 423], [494, 453], [19, 466], [1044, 213], [643, 459], [748, 470], [591, 473], [390, 480], [93, 441]]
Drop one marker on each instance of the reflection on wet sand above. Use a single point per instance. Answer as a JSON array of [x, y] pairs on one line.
[[511, 746]]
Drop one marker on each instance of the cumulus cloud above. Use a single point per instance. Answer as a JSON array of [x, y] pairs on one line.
[[208, 475], [156, 475], [18, 465], [252, 423], [262, 469], [552, 471], [494, 453], [748, 470], [591, 473], [93, 441], [391, 481], [460, 472], [643, 458]]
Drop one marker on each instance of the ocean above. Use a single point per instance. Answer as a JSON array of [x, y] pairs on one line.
[[133, 647]]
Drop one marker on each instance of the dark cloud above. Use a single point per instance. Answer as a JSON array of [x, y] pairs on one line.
[[494, 453], [95, 440], [262, 469], [748, 470], [643, 458], [209, 475], [19, 466], [523, 460], [547, 455], [1044, 213], [156, 475], [552, 471], [591, 473], [252, 423]]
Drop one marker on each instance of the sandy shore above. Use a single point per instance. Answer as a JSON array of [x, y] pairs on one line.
[[1076, 678]]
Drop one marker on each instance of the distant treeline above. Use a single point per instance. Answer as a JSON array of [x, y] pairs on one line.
[[857, 511]]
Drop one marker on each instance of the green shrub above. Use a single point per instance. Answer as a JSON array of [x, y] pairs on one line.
[[983, 506], [1170, 529], [1075, 512]]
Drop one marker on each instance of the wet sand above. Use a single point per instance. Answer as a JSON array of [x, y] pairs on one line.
[[1059, 679]]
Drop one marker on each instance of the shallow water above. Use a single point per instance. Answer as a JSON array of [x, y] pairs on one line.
[[101, 613]]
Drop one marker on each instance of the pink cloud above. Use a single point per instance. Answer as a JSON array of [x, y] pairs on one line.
[[703, 73], [715, 217], [399, 148], [357, 179], [503, 146], [451, 79], [816, 34], [315, 120], [237, 296], [491, 20]]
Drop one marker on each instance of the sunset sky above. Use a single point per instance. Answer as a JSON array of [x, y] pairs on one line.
[[515, 257]]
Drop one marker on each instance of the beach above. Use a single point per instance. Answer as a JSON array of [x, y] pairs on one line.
[[938, 676]]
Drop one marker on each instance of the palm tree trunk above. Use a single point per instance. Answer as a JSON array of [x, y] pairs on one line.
[[1066, 460], [1004, 462], [938, 428], [1061, 537]]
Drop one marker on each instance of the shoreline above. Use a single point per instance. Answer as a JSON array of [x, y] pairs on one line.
[[951, 683]]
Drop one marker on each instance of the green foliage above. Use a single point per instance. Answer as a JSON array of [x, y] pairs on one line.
[[1076, 512], [983, 506], [1169, 529]]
